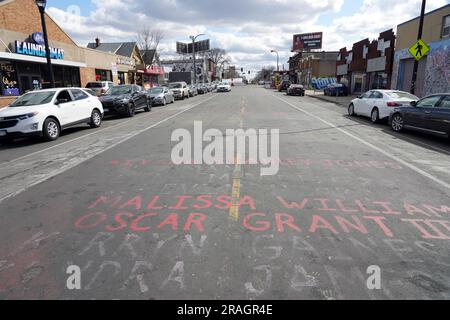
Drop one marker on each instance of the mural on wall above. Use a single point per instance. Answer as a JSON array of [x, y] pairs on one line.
[[437, 70], [437, 76], [322, 83]]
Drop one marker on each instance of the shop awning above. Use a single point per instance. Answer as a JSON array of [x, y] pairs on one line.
[[21, 57]]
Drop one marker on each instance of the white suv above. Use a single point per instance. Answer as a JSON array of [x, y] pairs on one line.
[[45, 113], [180, 90]]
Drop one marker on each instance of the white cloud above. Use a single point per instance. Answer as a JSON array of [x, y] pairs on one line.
[[248, 29]]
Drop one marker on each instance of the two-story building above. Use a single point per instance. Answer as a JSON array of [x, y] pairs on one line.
[[433, 75]]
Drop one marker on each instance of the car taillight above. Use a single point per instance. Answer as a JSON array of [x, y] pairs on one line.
[[393, 104]]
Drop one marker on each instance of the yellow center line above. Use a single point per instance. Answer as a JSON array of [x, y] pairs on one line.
[[236, 186]]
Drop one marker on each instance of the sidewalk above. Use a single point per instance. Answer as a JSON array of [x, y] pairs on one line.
[[341, 101]]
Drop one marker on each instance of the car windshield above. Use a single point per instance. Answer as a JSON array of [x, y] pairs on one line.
[[401, 95], [156, 90], [94, 85], [34, 99], [175, 85], [118, 90]]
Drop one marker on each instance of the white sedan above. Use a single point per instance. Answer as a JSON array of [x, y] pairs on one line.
[[378, 104], [224, 87], [45, 113]]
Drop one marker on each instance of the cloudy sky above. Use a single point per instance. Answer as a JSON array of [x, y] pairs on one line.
[[247, 29]]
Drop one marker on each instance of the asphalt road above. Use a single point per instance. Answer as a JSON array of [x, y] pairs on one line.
[[349, 198]]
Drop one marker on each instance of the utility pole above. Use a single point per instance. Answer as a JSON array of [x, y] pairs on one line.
[[193, 53], [419, 36], [278, 59], [41, 5]]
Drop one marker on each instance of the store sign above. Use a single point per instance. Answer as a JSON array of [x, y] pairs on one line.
[[376, 64], [126, 62], [9, 81], [38, 37], [38, 50], [308, 41], [342, 70]]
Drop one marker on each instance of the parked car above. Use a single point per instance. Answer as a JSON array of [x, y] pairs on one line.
[[180, 90], [262, 82], [100, 87], [193, 91], [125, 100], [202, 89], [45, 113], [336, 89], [284, 85], [224, 87], [209, 87], [296, 90], [429, 115], [378, 104], [160, 96]]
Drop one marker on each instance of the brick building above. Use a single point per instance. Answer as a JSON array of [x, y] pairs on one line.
[[22, 54], [305, 67], [368, 65]]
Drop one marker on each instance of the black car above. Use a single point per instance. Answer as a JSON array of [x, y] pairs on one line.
[[202, 89], [125, 100], [429, 115], [285, 84], [336, 89], [296, 90]]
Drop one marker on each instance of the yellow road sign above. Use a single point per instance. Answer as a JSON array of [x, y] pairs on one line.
[[419, 50]]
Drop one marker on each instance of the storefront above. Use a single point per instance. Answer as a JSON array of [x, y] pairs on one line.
[[433, 74], [150, 77], [23, 64], [22, 72]]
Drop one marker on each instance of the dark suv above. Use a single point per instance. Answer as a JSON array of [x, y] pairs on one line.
[[284, 85], [125, 100]]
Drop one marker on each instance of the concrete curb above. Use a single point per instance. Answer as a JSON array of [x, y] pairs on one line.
[[341, 104]]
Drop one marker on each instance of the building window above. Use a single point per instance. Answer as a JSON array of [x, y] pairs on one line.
[[446, 27]]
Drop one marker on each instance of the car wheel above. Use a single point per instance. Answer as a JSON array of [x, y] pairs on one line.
[[375, 116], [164, 102], [397, 122], [96, 119], [51, 129], [148, 107], [351, 110], [131, 110]]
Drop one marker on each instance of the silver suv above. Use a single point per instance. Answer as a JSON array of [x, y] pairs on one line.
[[100, 87]]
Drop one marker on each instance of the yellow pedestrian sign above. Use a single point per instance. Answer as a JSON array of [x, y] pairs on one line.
[[419, 50]]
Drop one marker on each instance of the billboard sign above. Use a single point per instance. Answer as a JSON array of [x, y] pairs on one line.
[[308, 41], [200, 46]]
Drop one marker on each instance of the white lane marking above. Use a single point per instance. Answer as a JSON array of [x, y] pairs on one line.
[[62, 170], [387, 154], [118, 125]]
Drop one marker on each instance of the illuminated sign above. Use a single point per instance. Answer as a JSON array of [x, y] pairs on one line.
[[38, 50]]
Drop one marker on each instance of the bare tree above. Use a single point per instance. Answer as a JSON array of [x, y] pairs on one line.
[[264, 73], [149, 39]]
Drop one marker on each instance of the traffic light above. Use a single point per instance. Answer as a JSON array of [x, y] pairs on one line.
[[242, 69], [248, 71]]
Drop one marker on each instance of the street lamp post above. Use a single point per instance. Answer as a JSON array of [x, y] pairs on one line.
[[278, 59], [193, 53], [419, 36], [41, 5]]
